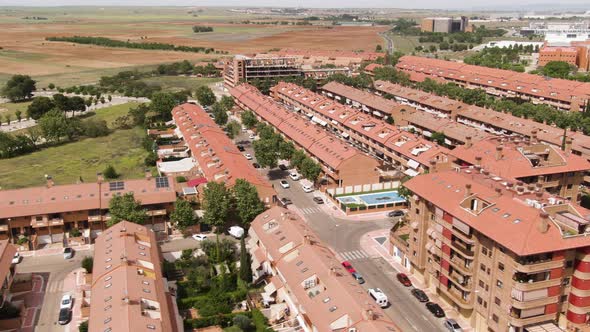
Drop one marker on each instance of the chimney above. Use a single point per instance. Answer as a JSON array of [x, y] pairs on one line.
[[49, 181], [148, 174], [498, 191], [468, 189], [307, 239], [369, 314], [534, 136], [332, 271], [544, 224], [539, 194], [99, 177], [432, 166], [568, 144], [499, 153], [477, 160], [468, 142]]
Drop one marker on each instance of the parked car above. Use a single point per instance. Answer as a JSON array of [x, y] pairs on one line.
[[294, 176], [379, 297], [248, 156], [420, 295], [252, 137], [16, 258], [348, 267], [358, 277], [401, 277], [68, 253], [396, 213], [307, 188], [283, 167], [66, 302], [285, 201], [241, 148], [284, 184], [452, 326], [236, 231], [435, 309], [256, 165], [65, 315], [318, 200], [199, 237]]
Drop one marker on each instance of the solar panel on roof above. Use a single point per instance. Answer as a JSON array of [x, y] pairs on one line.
[[162, 182], [117, 185]]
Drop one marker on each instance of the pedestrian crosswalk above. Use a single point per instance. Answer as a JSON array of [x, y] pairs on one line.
[[310, 210], [354, 254]]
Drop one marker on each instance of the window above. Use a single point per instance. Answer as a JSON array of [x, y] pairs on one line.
[[495, 318], [107, 299], [417, 211], [484, 250], [501, 267], [108, 278], [108, 285], [569, 264], [566, 281], [481, 284], [479, 300], [497, 301], [482, 267], [485, 304], [151, 326], [414, 253], [563, 298], [106, 321], [487, 287], [488, 271], [499, 283]]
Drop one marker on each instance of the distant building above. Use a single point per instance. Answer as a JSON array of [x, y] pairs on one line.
[[444, 24], [552, 29], [576, 53]]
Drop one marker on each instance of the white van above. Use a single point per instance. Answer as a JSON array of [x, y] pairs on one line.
[[379, 297], [236, 231]]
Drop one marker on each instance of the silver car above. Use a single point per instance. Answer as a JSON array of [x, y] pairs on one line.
[[68, 253], [452, 326]]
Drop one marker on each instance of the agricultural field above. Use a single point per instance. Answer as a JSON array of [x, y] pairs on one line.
[[24, 50], [70, 161]]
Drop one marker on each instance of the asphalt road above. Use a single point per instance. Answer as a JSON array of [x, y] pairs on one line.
[[58, 268]]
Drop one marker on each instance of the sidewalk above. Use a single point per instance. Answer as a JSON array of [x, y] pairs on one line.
[[53, 250], [370, 244]]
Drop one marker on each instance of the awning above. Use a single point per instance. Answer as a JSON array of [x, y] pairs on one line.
[[429, 246], [196, 182], [345, 135], [270, 288], [189, 191], [318, 121], [429, 231], [414, 164], [411, 172]]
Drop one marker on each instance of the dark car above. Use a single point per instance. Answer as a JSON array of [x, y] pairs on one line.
[[65, 315], [283, 167], [404, 279], [241, 148], [420, 295], [318, 200], [358, 277], [285, 201], [348, 267], [435, 309], [256, 165], [396, 213]]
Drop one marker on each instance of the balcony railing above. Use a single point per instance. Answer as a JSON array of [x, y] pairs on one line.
[[457, 297], [153, 213], [528, 286], [541, 265], [515, 321], [459, 264], [534, 303]]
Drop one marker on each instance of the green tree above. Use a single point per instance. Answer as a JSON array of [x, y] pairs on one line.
[[205, 95], [216, 204], [233, 128], [18, 88], [54, 125], [219, 114], [183, 215], [245, 262], [162, 104], [125, 207], [19, 115], [39, 107], [249, 119], [83, 327], [558, 69], [51, 86], [297, 158], [247, 203], [88, 263], [110, 173], [227, 102], [265, 150], [438, 137], [378, 48], [310, 169], [286, 149]]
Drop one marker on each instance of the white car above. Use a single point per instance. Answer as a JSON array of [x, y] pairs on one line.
[[307, 188], [236, 231], [294, 176], [16, 259], [66, 302], [199, 237], [252, 137], [248, 156], [284, 184]]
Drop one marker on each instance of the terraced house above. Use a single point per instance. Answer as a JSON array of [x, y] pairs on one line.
[[509, 256], [45, 215]]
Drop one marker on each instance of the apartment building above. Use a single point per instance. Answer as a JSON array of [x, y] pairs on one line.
[[129, 292], [244, 68], [216, 156], [544, 28], [344, 164], [412, 153], [317, 58], [530, 162], [45, 214], [7, 274], [305, 283], [560, 93], [495, 123], [508, 256], [558, 53], [409, 117]]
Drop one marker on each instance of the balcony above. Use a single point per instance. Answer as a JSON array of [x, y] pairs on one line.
[[154, 213], [465, 238], [459, 264], [529, 286], [534, 303], [462, 249], [538, 266], [457, 297], [519, 322], [39, 222], [95, 218]]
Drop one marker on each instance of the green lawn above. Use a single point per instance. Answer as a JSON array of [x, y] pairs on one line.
[[176, 83], [110, 114], [11, 108], [68, 162]]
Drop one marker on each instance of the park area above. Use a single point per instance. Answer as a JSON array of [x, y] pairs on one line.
[[70, 162]]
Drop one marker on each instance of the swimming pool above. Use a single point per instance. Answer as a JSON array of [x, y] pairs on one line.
[[387, 197]]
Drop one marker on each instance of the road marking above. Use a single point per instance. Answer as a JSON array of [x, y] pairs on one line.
[[354, 254], [424, 317]]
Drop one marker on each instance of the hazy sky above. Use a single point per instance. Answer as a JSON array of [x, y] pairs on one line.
[[466, 4]]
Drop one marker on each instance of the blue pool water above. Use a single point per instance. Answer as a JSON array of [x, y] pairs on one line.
[[373, 199]]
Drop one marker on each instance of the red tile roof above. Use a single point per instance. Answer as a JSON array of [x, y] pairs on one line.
[[509, 220], [381, 104]]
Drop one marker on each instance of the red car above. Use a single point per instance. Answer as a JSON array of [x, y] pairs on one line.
[[348, 267], [404, 279]]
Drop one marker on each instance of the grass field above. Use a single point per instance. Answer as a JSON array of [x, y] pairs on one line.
[[67, 162], [176, 83], [11, 108]]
